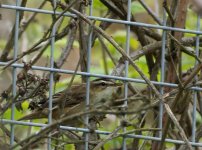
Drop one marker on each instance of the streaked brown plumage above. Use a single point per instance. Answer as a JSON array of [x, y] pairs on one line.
[[101, 92]]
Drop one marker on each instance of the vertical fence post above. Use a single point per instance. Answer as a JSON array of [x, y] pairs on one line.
[[51, 75], [196, 79], [163, 51], [126, 67], [88, 71], [14, 73]]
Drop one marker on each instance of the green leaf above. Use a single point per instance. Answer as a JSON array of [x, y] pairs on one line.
[[58, 48], [137, 7]]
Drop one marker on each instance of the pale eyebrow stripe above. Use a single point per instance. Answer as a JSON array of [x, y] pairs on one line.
[[103, 81]]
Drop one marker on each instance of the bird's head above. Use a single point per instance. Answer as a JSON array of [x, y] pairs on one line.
[[103, 90]]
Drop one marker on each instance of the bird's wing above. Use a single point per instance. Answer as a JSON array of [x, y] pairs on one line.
[[34, 115], [37, 114]]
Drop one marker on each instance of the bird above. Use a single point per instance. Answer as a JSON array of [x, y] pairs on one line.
[[103, 93]]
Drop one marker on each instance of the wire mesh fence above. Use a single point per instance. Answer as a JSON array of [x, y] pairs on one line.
[[170, 92]]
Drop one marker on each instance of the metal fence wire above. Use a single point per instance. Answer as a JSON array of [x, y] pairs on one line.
[[168, 115]]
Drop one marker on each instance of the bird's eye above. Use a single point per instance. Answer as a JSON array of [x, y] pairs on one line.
[[103, 83]]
